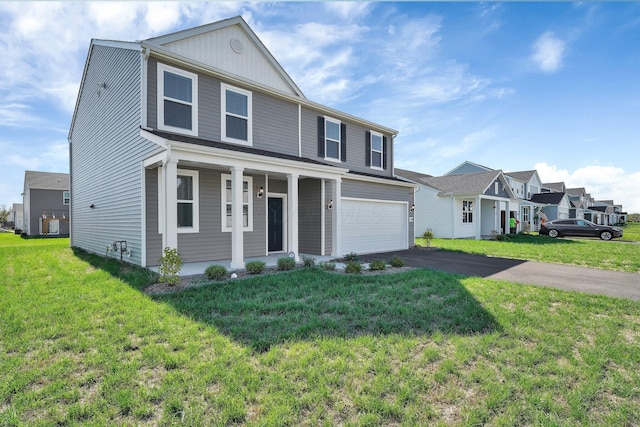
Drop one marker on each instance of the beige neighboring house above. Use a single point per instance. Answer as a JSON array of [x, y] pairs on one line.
[[46, 201]]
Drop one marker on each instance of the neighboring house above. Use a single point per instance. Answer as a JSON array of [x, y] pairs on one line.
[[468, 167], [46, 201], [524, 185], [464, 205], [199, 140], [16, 216], [553, 187], [556, 205], [579, 203]]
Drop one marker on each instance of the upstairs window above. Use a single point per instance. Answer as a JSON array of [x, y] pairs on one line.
[[375, 150], [177, 100], [467, 211], [236, 115], [332, 139], [66, 197]]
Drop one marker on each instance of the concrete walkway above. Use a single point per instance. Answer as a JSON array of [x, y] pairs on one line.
[[566, 277]]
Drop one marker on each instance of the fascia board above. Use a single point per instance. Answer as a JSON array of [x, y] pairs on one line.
[[380, 181]]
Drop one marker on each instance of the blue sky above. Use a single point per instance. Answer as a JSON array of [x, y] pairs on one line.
[[513, 86]]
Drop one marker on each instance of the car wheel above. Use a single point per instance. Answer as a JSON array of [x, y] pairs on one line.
[[606, 235], [553, 233]]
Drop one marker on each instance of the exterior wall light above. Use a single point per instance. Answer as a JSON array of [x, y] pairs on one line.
[[260, 193]]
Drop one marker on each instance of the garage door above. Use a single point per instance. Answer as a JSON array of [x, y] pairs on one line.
[[373, 226]]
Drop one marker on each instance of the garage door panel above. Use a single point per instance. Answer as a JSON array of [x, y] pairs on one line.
[[373, 226]]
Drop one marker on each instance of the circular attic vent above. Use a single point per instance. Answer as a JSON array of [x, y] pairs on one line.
[[236, 45]]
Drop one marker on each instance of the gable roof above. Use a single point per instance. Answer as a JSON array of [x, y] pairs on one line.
[[522, 175], [46, 180], [229, 45], [578, 191], [411, 175], [548, 198], [555, 186], [466, 183], [472, 165]]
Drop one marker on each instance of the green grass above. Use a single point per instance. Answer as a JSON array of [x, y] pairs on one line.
[[613, 255], [631, 232], [81, 344]]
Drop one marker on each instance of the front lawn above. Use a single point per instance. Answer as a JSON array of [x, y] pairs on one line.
[[81, 344], [612, 255]]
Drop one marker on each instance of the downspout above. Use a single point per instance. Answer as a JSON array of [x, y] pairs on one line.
[[165, 225]]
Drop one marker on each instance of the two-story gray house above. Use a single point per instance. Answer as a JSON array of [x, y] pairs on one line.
[[199, 140], [45, 203]]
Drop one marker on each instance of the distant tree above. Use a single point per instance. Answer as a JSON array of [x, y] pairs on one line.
[[4, 214], [634, 217]]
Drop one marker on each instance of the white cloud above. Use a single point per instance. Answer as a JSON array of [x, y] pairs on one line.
[[548, 52], [602, 182], [348, 10]]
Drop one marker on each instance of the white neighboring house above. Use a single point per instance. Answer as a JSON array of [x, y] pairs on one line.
[[466, 205], [16, 216]]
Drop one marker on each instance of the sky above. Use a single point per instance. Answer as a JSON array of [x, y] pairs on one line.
[[551, 86]]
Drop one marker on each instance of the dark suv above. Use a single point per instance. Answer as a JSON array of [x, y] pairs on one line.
[[579, 227]]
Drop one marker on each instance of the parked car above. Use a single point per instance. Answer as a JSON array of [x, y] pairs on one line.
[[579, 227]]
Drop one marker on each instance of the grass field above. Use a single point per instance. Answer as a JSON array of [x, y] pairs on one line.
[[617, 255], [81, 344]]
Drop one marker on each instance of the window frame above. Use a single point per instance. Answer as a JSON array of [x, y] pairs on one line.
[[224, 202], [161, 99], [66, 198], [195, 175], [339, 141], [372, 150], [467, 211], [223, 114]]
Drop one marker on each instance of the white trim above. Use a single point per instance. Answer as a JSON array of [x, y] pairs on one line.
[[328, 119], [65, 198], [299, 130], [285, 218], [143, 213], [266, 215], [224, 202], [195, 175], [223, 114], [161, 201], [323, 208], [193, 104]]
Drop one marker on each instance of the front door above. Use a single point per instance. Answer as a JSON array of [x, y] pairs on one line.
[[275, 225]]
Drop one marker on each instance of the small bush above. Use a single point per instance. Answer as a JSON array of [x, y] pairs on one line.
[[308, 262], [255, 267], [216, 272], [396, 262], [377, 264], [285, 264], [351, 256], [353, 267], [428, 236], [170, 265], [328, 265]]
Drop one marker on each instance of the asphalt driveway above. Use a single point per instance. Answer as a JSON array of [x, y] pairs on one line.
[[566, 277]]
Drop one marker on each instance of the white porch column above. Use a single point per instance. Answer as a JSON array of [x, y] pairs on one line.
[[237, 234], [496, 215], [507, 218], [336, 221], [292, 215], [477, 217], [170, 235], [531, 225]]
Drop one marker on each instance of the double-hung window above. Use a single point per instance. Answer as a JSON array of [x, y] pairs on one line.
[[247, 205], [374, 148], [236, 122], [188, 206], [332, 139], [177, 100], [66, 197], [467, 211]]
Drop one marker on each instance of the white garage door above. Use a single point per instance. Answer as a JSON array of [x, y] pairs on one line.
[[373, 226]]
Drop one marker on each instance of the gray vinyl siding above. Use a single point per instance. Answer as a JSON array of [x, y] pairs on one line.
[[152, 94], [467, 168], [44, 201], [501, 190], [106, 154], [154, 238], [210, 243], [309, 217], [278, 186], [377, 191]]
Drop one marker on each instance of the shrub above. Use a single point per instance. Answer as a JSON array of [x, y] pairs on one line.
[[396, 262], [353, 267], [216, 272], [285, 264], [351, 256], [377, 264], [255, 267], [308, 262], [328, 265], [170, 265], [428, 236]]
